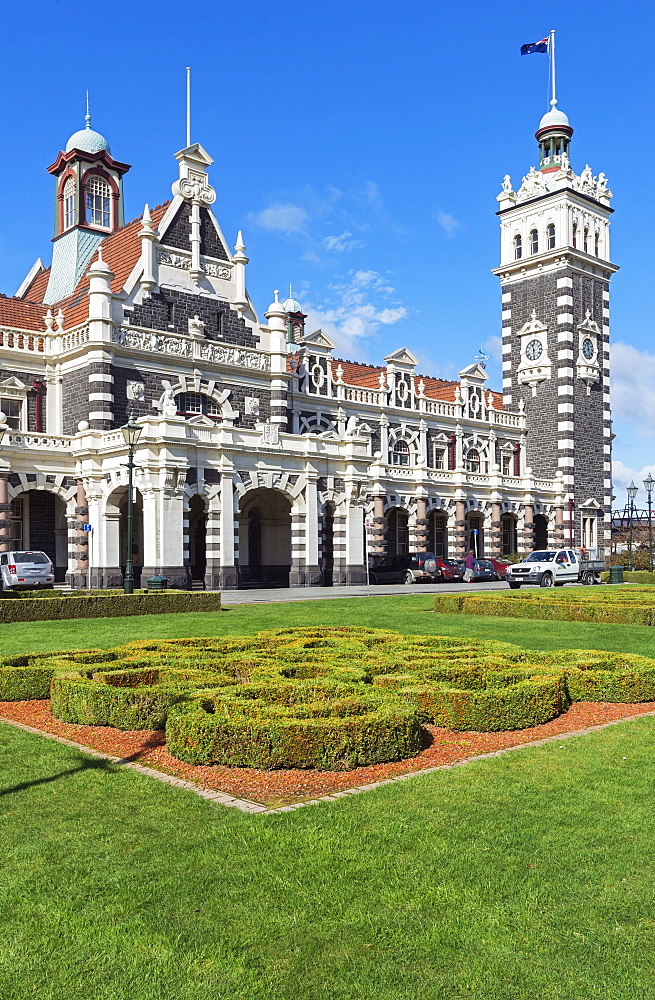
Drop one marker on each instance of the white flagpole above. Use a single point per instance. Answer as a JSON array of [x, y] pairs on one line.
[[188, 106], [552, 65]]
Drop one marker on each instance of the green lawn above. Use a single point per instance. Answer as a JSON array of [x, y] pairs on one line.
[[525, 877], [406, 614]]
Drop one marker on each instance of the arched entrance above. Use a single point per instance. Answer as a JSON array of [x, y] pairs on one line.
[[508, 534], [197, 539], [137, 533], [264, 539], [438, 534], [397, 532], [540, 527], [327, 545], [475, 533], [38, 522]]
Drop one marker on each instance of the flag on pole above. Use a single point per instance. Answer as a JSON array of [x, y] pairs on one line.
[[541, 46]]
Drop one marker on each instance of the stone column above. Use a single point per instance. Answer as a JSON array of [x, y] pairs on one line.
[[79, 577], [355, 557], [5, 511], [496, 534], [528, 527], [421, 524], [377, 532], [213, 539], [228, 575], [314, 577], [298, 568], [460, 529], [559, 526]]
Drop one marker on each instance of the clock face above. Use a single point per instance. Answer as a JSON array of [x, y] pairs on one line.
[[588, 348], [533, 350]]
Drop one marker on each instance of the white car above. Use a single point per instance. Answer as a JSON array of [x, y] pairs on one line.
[[26, 571], [545, 568]]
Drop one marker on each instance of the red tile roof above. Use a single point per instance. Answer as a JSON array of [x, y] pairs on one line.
[[22, 315], [37, 289]]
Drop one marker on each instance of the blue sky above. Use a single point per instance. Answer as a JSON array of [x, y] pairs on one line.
[[360, 146]]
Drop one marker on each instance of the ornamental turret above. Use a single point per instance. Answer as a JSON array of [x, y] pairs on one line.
[[554, 138]]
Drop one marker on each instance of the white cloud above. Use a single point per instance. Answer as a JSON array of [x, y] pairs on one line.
[[493, 346], [282, 216], [355, 310], [633, 387], [623, 475], [342, 243], [448, 223]]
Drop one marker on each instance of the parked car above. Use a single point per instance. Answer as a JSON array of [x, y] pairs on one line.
[[26, 571], [500, 565], [449, 571], [413, 567], [483, 569], [554, 567]]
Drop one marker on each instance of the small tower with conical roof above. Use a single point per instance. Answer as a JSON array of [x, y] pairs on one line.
[[555, 271], [88, 206]]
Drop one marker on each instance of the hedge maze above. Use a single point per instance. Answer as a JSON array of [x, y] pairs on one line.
[[326, 698], [620, 606]]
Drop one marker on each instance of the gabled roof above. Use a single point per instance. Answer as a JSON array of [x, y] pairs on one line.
[[120, 251]]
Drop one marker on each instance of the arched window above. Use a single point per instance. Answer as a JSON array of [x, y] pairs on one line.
[[550, 233], [193, 404], [69, 203], [98, 195], [597, 244], [585, 243], [518, 247], [575, 235], [472, 460], [534, 241], [400, 454]]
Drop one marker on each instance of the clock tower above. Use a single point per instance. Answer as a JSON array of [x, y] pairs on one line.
[[555, 272]]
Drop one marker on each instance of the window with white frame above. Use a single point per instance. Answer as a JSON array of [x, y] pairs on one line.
[[589, 532], [550, 236], [400, 454], [472, 460], [12, 409], [16, 517], [98, 195], [506, 463], [439, 456], [191, 404], [69, 203], [518, 247], [534, 241]]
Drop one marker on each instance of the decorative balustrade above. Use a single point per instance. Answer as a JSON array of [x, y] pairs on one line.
[[353, 394], [439, 408], [17, 340], [45, 442], [72, 339]]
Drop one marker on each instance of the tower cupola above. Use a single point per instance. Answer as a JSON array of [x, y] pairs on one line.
[[554, 138]]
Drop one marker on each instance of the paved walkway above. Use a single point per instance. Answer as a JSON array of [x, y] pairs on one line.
[[326, 593]]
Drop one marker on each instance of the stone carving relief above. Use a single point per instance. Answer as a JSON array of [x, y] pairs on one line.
[[159, 343], [183, 262], [135, 391]]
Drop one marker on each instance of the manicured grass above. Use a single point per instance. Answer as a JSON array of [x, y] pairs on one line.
[[522, 877], [406, 614]]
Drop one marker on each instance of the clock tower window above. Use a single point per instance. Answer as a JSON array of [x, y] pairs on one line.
[[575, 235], [534, 241], [585, 240], [518, 247], [550, 233]]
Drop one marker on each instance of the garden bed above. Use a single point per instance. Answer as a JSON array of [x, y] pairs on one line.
[[633, 605], [281, 787]]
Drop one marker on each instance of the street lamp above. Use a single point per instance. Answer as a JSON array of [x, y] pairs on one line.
[[648, 486], [131, 432], [632, 493]]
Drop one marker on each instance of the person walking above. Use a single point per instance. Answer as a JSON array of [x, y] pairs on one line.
[[469, 564]]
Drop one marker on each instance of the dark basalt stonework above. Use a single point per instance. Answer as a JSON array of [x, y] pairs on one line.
[[34, 397], [170, 311], [178, 234]]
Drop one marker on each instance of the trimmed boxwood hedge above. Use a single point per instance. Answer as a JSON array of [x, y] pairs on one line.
[[332, 698], [634, 606], [103, 605]]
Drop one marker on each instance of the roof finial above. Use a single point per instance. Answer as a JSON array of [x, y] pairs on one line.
[[87, 117], [188, 106], [290, 290]]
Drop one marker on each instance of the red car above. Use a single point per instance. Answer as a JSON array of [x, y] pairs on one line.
[[449, 570], [500, 565]]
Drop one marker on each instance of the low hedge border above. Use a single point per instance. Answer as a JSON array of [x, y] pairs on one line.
[[34, 609], [630, 611]]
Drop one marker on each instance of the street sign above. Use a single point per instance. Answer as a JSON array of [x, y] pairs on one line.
[[87, 527], [475, 531]]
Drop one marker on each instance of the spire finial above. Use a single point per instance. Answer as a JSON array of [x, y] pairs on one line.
[[290, 290], [87, 117], [276, 293], [188, 106]]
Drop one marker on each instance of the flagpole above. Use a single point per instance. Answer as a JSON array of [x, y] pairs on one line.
[[552, 65], [188, 106]]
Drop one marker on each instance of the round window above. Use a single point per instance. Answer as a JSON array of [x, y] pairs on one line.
[[318, 376]]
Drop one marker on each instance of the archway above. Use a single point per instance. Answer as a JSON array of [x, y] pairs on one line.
[[540, 528], [397, 531], [137, 532], [197, 539], [264, 539], [475, 533], [508, 534], [438, 533], [327, 545], [38, 522]]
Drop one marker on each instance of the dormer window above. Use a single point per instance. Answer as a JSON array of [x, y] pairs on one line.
[[534, 241], [518, 247], [550, 234], [98, 194], [69, 203], [400, 453], [194, 404]]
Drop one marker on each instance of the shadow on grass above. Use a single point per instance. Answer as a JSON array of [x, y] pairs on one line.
[[86, 764]]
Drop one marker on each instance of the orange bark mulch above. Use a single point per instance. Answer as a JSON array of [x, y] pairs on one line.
[[274, 788]]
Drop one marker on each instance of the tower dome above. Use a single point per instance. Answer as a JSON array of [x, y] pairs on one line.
[[554, 138], [86, 139], [554, 117]]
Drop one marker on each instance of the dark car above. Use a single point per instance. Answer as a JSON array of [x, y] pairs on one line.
[[413, 567], [483, 569], [449, 571]]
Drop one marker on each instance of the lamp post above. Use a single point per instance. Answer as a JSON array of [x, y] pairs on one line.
[[632, 493], [648, 486], [131, 432]]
